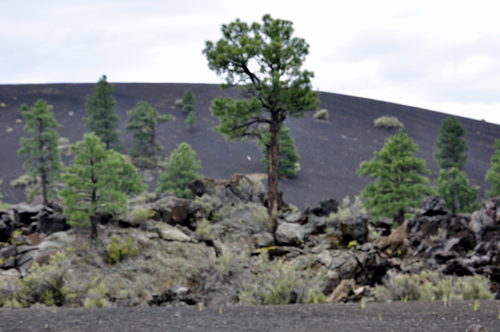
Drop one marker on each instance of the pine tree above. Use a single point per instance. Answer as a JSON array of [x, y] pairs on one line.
[[191, 120], [264, 60], [451, 146], [188, 101], [143, 121], [94, 184], [398, 184], [45, 163], [101, 114], [493, 174], [288, 155], [180, 169], [453, 187]]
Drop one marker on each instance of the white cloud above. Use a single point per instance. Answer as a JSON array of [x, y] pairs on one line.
[[441, 55]]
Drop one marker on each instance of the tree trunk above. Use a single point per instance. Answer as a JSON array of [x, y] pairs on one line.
[[401, 217], [93, 228], [273, 156], [44, 186], [153, 143]]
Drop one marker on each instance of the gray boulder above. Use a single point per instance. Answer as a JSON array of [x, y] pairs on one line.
[[26, 213], [290, 234]]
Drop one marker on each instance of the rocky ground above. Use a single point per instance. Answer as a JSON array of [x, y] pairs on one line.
[[216, 252]]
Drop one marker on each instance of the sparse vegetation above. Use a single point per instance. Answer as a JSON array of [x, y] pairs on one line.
[[45, 284], [347, 210], [204, 230], [388, 122], [321, 114], [140, 214], [96, 296], [429, 286], [280, 282], [178, 103], [118, 252]]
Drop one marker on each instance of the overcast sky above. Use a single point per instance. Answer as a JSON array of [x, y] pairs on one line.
[[439, 55]]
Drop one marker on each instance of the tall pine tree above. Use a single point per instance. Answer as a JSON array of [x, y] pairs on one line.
[[450, 145], [398, 184], [180, 169], [101, 114], [143, 121], [44, 165], [453, 187], [98, 182], [493, 174]]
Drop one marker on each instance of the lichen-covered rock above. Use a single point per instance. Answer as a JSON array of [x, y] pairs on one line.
[[26, 213], [290, 234], [169, 233], [264, 239]]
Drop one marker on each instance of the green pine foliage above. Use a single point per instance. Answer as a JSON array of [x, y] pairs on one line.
[[94, 184], [180, 169], [451, 146], [101, 114], [453, 187], [288, 155], [493, 174], [143, 121], [188, 101], [398, 184], [45, 161], [191, 120]]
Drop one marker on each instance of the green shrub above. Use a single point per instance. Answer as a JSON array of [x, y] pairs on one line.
[[280, 282], [117, 253], [204, 230], [44, 284], [178, 103], [140, 214], [229, 263], [430, 286], [388, 122], [347, 210], [321, 114], [96, 295]]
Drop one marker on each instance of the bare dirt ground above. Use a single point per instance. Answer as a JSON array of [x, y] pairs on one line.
[[411, 316]]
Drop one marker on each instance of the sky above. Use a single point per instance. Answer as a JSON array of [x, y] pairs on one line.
[[438, 55]]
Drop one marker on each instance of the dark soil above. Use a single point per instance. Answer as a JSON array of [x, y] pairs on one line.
[[330, 151], [411, 316]]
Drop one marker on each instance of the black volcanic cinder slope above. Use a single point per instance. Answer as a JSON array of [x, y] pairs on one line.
[[330, 151]]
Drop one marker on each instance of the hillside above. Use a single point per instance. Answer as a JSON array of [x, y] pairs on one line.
[[330, 151]]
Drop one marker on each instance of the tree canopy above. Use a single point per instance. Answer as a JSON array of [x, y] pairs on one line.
[[45, 163], [288, 155], [101, 114], [453, 187], [143, 121], [450, 145], [180, 169], [264, 61], [398, 184], [95, 183], [493, 174]]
